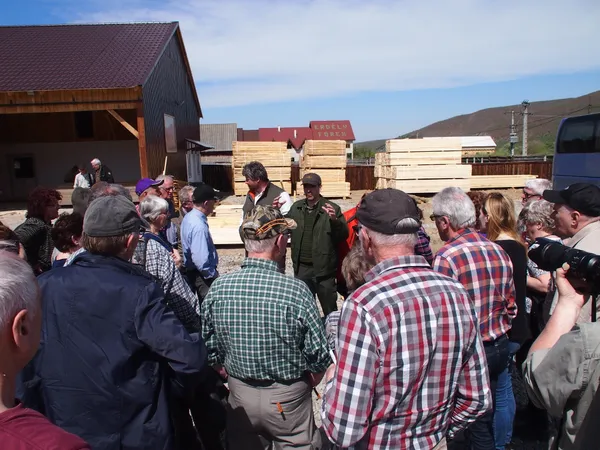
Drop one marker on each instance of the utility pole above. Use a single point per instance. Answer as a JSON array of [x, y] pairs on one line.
[[525, 113], [512, 133]]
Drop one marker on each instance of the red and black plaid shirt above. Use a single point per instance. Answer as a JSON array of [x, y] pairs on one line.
[[411, 364], [485, 270]]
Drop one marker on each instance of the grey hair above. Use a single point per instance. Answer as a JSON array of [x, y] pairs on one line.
[[162, 177], [186, 193], [18, 288], [538, 185], [96, 161], [254, 170], [538, 211], [262, 246], [152, 207], [395, 240], [111, 189], [10, 246], [453, 203]]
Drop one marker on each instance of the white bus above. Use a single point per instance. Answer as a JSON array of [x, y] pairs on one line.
[[577, 153]]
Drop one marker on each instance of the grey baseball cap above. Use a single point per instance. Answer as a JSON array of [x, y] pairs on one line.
[[113, 215]]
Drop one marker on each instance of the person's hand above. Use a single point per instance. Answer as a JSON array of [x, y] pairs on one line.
[[330, 211], [277, 202], [221, 371], [176, 258], [567, 293], [329, 373]]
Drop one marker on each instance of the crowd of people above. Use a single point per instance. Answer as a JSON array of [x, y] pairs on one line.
[[117, 330]]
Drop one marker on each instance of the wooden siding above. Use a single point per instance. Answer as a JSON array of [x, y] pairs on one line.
[[68, 100], [219, 135], [543, 169], [169, 90], [60, 127]]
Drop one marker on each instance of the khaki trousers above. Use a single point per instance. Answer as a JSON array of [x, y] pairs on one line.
[[266, 415]]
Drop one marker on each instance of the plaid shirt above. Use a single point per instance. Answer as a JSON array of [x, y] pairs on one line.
[[422, 246], [485, 270], [263, 325], [178, 295], [411, 365]]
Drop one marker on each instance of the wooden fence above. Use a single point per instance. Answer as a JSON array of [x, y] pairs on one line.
[[362, 177]]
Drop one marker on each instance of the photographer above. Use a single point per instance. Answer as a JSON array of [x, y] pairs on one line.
[[576, 216], [562, 370]]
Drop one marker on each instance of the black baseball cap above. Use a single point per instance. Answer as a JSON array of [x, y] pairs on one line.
[[203, 193], [311, 178], [582, 197], [381, 211]]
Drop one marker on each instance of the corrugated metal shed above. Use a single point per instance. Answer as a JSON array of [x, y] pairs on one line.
[[219, 135]]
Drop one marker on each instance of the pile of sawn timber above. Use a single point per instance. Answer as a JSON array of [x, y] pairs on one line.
[[421, 166], [328, 160], [273, 155]]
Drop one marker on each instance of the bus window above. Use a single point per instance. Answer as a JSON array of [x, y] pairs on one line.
[[579, 135]]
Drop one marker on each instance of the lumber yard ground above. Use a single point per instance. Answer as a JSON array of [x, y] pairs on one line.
[[527, 435]]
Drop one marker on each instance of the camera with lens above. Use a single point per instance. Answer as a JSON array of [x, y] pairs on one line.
[[550, 255]]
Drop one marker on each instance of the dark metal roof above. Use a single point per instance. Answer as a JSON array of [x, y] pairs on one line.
[[100, 56]]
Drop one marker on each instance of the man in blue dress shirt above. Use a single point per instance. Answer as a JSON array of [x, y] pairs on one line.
[[199, 253]]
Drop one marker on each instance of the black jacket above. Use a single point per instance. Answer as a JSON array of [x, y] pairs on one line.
[[327, 234], [105, 175], [112, 356]]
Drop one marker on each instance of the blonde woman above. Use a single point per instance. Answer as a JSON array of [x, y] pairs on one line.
[[499, 221]]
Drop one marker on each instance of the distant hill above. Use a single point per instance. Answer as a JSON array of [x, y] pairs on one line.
[[542, 126]]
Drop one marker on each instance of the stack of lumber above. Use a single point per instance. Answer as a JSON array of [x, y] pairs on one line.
[[422, 166], [419, 166], [225, 223], [273, 155], [328, 160]]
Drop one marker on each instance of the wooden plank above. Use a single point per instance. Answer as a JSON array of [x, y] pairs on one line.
[[499, 181], [327, 175], [280, 160], [424, 145], [259, 147], [123, 122], [142, 142], [325, 162], [428, 172], [429, 158], [330, 190], [275, 173], [323, 148], [428, 186]]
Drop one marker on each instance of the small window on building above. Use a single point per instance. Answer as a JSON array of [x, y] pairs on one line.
[[84, 125], [23, 167], [347, 144]]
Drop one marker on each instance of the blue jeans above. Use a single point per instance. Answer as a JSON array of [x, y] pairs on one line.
[[505, 406], [480, 435]]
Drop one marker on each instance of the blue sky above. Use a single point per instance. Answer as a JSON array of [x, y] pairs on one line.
[[389, 66]]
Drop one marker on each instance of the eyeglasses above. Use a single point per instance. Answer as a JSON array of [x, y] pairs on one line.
[[527, 195]]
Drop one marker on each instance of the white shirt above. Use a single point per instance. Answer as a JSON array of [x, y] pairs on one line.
[[81, 181]]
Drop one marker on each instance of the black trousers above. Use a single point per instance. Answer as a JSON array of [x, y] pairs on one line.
[[324, 287]]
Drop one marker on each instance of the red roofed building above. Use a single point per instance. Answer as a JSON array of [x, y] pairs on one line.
[[295, 136], [123, 93]]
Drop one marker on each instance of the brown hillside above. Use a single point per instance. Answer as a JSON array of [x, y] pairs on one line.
[[543, 121]]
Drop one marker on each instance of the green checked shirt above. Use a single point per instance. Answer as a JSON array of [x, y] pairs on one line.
[[262, 325]]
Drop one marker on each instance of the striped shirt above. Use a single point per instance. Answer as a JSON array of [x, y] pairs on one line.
[[485, 270], [263, 325], [411, 365]]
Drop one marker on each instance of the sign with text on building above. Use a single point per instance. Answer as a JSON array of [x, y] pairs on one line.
[[330, 130]]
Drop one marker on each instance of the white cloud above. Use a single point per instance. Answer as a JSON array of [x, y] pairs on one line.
[[259, 51]]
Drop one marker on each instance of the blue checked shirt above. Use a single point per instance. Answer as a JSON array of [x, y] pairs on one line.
[[263, 325], [199, 252]]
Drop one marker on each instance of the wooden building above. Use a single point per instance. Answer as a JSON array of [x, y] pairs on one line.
[[123, 93]]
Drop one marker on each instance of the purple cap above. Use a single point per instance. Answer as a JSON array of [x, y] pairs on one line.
[[146, 183]]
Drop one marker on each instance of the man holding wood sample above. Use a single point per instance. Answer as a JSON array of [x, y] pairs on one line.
[[321, 227]]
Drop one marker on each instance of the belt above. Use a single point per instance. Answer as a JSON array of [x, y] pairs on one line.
[[266, 383], [496, 342]]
